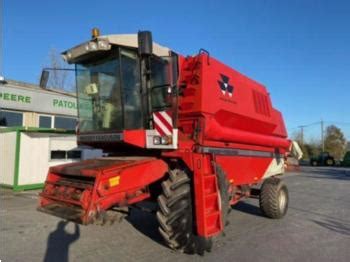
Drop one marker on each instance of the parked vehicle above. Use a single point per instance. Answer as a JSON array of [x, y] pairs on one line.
[[324, 159], [346, 159]]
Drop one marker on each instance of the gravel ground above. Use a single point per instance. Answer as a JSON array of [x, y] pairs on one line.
[[316, 228]]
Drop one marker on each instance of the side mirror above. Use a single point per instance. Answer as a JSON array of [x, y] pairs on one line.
[[44, 78], [145, 42]]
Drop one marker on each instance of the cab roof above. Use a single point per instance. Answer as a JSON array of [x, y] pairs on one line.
[[129, 40]]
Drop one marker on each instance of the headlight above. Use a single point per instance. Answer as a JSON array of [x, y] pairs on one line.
[[162, 140], [92, 46], [103, 45], [166, 140], [73, 54], [157, 140]]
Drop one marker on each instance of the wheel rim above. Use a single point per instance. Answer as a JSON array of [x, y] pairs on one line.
[[282, 200]]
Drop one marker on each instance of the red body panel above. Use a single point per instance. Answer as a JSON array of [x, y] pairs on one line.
[[92, 186], [243, 115], [135, 137], [241, 170]]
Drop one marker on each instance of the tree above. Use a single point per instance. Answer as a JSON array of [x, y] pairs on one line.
[[314, 147], [58, 78], [348, 146], [298, 137], [310, 148], [335, 142]]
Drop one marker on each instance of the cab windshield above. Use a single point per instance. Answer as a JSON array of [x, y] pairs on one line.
[[109, 92]]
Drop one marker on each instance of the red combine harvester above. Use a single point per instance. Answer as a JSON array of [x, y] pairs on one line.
[[188, 133]]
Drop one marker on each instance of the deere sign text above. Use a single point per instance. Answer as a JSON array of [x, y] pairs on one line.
[[37, 100]]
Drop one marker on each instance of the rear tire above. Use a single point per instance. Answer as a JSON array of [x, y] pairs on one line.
[[175, 215], [225, 197], [274, 198], [330, 162]]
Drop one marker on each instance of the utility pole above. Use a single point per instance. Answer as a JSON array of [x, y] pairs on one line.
[[302, 134], [322, 135]]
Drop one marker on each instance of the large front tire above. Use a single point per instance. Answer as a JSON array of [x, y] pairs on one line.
[[274, 198], [175, 215]]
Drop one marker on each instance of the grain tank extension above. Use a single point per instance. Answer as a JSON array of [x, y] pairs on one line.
[[189, 134]]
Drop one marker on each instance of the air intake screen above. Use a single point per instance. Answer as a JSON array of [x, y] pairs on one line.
[[261, 103]]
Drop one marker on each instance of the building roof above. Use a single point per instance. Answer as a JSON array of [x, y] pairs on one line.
[[25, 85]]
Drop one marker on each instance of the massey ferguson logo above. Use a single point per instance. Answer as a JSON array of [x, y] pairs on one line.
[[225, 86]]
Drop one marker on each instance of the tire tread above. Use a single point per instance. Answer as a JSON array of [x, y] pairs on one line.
[[175, 215]]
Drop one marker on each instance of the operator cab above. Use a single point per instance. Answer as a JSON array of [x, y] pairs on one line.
[[122, 80]]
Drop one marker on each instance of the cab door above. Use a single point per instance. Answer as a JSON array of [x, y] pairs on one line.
[[131, 83]]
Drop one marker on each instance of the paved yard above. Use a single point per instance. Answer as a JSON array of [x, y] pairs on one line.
[[316, 228]]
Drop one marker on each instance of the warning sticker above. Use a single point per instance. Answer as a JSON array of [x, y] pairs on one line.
[[114, 181]]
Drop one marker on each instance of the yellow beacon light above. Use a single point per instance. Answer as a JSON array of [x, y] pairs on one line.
[[95, 32]]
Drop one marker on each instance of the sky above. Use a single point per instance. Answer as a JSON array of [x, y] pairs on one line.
[[299, 49]]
